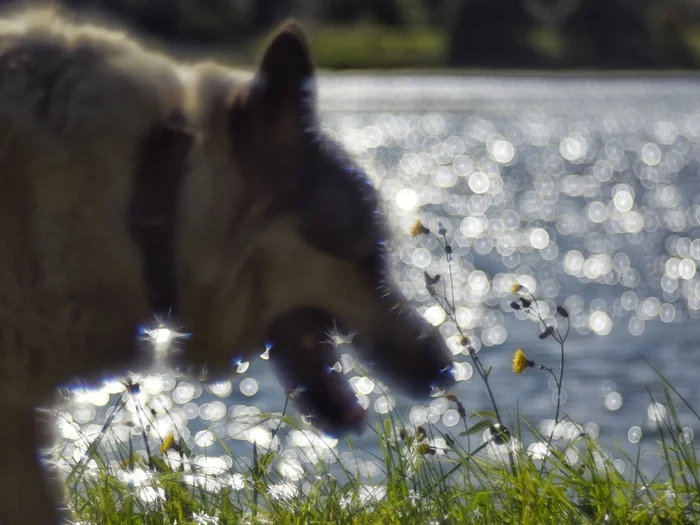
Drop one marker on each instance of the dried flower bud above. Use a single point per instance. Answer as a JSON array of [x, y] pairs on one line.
[[441, 229], [547, 332], [417, 228], [460, 407], [525, 302], [562, 311], [500, 434], [430, 281], [514, 305]]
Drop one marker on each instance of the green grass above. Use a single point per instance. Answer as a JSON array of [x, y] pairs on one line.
[[420, 482]]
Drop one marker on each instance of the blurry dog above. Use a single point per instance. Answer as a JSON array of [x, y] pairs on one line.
[[131, 185]]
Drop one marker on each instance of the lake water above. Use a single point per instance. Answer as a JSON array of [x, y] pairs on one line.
[[583, 189]]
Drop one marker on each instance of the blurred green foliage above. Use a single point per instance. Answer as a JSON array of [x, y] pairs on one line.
[[386, 34], [370, 46]]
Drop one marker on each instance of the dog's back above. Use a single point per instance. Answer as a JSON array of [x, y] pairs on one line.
[[76, 105]]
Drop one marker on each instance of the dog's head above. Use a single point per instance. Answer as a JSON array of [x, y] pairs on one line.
[[304, 252]]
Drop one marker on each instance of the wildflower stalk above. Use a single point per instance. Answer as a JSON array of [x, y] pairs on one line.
[[531, 306], [449, 306], [557, 336]]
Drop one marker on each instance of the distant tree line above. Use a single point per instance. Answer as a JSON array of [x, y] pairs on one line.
[[592, 33], [481, 33]]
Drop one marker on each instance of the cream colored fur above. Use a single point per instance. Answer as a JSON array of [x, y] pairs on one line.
[[74, 102]]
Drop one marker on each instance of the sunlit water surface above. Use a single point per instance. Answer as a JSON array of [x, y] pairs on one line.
[[585, 190]]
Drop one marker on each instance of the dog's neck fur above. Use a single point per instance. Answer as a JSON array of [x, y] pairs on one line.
[[218, 215]]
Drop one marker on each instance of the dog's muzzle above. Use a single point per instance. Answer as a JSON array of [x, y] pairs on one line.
[[306, 361]]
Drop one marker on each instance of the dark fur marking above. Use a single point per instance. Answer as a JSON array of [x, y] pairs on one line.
[[33, 65], [342, 213], [152, 211]]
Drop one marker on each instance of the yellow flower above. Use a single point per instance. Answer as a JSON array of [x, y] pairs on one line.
[[520, 361], [425, 448], [130, 461], [417, 228], [516, 287], [168, 443]]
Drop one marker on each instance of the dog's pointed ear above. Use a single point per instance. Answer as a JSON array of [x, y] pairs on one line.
[[287, 58], [286, 70], [276, 109]]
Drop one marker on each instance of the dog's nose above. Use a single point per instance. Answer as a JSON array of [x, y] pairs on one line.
[[415, 362], [438, 362], [420, 366]]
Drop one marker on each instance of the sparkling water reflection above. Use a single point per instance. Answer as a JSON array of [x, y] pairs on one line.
[[585, 191]]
